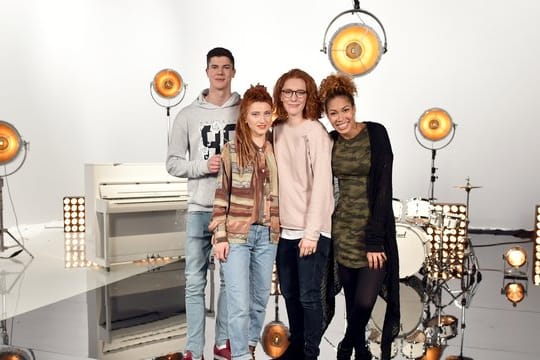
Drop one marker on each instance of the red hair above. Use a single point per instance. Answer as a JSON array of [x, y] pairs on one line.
[[313, 108], [245, 149]]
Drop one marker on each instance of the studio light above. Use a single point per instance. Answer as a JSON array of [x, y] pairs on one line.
[[8, 352], [516, 257], [515, 292], [536, 247], [74, 214], [275, 335], [515, 279], [11, 145], [434, 126], [447, 241], [356, 48], [168, 90]]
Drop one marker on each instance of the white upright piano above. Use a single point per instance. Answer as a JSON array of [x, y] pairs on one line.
[[134, 212]]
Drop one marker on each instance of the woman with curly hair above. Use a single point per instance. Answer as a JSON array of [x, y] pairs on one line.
[[363, 228], [302, 147], [245, 221]]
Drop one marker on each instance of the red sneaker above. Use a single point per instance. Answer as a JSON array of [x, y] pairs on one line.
[[223, 354], [189, 356]]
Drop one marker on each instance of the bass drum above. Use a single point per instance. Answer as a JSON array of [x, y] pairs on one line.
[[413, 248], [411, 297]]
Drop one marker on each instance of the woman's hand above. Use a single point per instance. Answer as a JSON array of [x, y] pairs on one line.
[[376, 260], [221, 251], [307, 247]]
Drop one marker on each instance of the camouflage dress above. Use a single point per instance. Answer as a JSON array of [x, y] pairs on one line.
[[351, 161]]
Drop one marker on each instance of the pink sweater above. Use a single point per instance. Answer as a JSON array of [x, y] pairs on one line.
[[303, 154]]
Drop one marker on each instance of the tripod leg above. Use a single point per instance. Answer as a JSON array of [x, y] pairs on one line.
[[18, 243]]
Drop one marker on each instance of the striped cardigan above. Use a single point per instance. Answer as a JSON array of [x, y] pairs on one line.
[[235, 198]]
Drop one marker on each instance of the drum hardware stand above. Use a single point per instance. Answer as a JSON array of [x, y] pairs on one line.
[[460, 356]]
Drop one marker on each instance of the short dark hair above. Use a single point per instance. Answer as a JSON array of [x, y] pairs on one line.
[[219, 51]]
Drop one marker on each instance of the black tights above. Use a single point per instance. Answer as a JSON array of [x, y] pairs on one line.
[[361, 288]]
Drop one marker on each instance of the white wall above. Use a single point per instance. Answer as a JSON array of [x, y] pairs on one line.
[[75, 75]]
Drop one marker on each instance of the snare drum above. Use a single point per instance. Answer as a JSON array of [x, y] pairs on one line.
[[411, 308], [413, 247], [418, 211], [397, 207], [413, 346]]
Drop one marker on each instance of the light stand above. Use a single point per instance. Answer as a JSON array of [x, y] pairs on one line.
[[10, 146], [434, 125], [8, 351]]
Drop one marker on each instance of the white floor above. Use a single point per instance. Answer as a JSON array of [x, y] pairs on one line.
[[46, 306]]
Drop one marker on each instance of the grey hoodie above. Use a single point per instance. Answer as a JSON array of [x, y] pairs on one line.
[[200, 130]]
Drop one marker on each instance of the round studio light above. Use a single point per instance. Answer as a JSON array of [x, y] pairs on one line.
[[10, 142], [355, 49], [514, 292], [167, 83], [275, 339], [516, 257], [435, 124]]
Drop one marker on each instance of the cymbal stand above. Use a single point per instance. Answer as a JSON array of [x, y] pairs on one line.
[[469, 287]]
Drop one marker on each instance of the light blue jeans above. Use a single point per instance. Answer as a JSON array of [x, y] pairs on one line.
[[198, 247], [248, 279]]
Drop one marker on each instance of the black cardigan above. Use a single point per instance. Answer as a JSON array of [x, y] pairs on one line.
[[381, 228]]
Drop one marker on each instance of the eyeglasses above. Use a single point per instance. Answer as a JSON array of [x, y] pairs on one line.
[[288, 93]]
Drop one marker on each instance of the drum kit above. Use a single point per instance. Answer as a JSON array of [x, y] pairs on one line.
[[434, 254]]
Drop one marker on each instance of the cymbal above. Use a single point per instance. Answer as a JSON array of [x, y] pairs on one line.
[[468, 187]]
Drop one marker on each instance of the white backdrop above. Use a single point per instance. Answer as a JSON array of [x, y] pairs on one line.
[[75, 75]]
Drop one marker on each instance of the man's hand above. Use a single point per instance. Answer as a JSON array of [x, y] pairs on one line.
[[214, 163]]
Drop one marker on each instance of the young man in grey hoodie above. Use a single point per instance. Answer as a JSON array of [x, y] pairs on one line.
[[199, 131]]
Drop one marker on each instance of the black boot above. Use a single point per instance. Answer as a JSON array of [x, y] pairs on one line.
[[363, 354], [343, 352], [292, 353]]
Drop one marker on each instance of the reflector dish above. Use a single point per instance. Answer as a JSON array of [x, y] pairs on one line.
[[435, 124], [167, 83], [355, 49], [10, 142]]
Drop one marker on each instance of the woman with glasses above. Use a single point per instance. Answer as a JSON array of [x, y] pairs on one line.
[[245, 221], [363, 228], [302, 147]]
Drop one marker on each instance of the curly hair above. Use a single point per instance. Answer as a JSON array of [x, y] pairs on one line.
[[337, 85], [313, 108], [246, 152]]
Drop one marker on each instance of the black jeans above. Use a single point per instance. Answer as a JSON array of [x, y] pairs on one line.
[[300, 282]]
